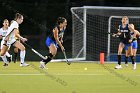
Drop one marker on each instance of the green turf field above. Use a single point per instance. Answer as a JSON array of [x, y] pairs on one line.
[[63, 78]]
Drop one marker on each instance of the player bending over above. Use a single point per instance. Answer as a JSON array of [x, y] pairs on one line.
[[55, 39], [10, 40]]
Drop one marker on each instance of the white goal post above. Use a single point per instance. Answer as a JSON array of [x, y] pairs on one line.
[[90, 25]]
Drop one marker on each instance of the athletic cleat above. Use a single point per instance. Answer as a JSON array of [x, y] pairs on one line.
[[118, 67], [5, 64], [9, 58], [134, 66], [126, 65], [42, 65], [24, 64]]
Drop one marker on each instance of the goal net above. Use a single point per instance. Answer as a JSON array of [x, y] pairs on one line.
[[90, 26]]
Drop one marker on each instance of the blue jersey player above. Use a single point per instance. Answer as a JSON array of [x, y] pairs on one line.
[[134, 45], [54, 40]]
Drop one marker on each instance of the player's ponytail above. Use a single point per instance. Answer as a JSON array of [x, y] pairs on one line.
[[18, 16], [60, 20]]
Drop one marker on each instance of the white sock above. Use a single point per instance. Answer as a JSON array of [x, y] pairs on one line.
[[4, 59], [7, 54], [22, 56]]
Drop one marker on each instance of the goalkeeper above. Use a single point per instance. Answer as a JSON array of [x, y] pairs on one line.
[[55, 37]]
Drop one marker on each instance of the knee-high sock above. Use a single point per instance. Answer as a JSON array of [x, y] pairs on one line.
[[132, 59], [119, 59], [126, 60], [15, 56], [22, 56], [4, 59], [50, 56], [7, 54]]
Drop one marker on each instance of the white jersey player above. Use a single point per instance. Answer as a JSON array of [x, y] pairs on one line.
[[3, 32], [10, 39]]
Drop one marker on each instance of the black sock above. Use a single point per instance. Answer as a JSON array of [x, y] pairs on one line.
[[50, 56], [119, 59], [126, 60], [15, 57], [133, 59], [9, 59]]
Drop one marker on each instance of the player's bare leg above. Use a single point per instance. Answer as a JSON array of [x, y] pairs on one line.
[[15, 54], [127, 53], [134, 59], [121, 46], [53, 51], [3, 56], [22, 53]]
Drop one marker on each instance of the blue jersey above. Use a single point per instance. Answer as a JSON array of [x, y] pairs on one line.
[[134, 43], [51, 40], [60, 33], [125, 34]]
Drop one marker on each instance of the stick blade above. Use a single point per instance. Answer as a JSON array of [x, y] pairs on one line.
[[68, 62]]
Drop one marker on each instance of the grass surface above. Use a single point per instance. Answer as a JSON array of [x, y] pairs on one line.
[[63, 78]]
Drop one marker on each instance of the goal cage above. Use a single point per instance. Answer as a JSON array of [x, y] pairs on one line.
[[91, 24]]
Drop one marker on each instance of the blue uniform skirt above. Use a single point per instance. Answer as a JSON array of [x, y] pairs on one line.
[[135, 44], [49, 41]]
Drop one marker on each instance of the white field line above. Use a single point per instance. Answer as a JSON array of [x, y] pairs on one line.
[[52, 74]]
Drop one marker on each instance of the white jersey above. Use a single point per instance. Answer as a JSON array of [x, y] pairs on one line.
[[11, 34], [3, 33]]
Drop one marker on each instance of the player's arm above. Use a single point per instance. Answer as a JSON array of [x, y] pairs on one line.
[[133, 38], [61, 39], [0, 36], [19, 36], [138, 33], [55, 31], [117, 34], [132, 29], [7, 38]]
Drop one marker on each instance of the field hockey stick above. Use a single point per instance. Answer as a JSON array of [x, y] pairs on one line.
[[37, 53], [110, 33], [66, 57]]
